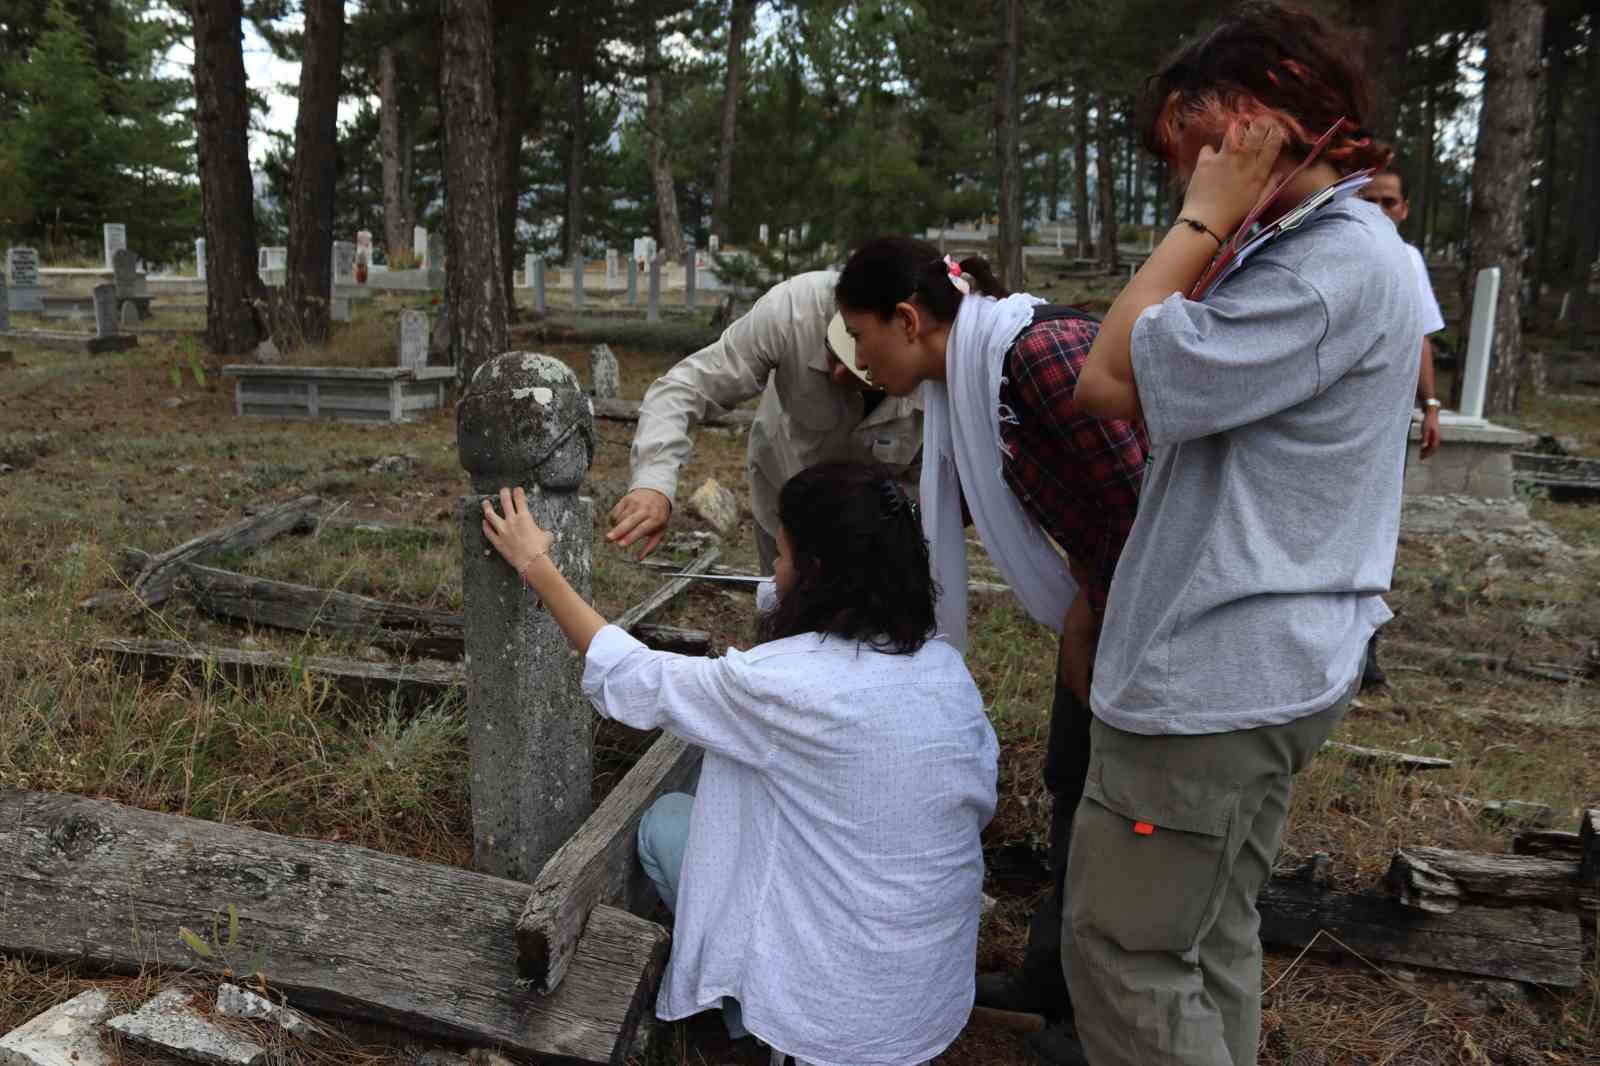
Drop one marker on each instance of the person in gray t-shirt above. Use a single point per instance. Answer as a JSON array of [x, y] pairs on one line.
[[1275, 401]]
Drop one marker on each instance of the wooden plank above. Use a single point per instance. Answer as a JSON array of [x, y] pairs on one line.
[[282, 605], [677, 639], [159, 575], [1532, 944], [409, 684], [615, 410], [1556, 672], [1440, 880], [1589, 837], [1548, 843], [597, 864], [336, 926], [975, 588], [663, 595], [1367, 758]]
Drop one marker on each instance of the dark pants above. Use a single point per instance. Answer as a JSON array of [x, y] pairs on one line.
[[1066, 766]]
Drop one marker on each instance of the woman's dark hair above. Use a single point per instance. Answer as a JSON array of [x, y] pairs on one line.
[[1265, 60], [860, 560], [890, 270]]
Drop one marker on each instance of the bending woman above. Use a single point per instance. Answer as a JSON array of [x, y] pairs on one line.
[[829, 874], [999, 375], [1276, 403]]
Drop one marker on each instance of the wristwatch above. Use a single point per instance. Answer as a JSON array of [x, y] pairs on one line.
[[1430, 402]]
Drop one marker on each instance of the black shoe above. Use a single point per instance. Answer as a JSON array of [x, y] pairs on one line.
[[1372, 674], [1057, 1044], [1013, 990]]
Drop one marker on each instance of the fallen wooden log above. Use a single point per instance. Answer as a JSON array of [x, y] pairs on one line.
[[281, 605], [615, 410], [1555, 672], [1440, 880], [1381, 759], [159, 573], [1532, 944], [666, 593], [408, 683], [1547, 843], [334, 927], [678, 639], [378, 528], [599, 864]]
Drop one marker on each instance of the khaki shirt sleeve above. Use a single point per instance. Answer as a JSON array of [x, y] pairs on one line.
[[723, 374]]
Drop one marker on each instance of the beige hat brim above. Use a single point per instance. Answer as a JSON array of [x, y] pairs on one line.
[[843, 347]]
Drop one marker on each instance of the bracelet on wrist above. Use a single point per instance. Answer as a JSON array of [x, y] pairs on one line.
[[1199, 227], [1431, 404], [522, 571]]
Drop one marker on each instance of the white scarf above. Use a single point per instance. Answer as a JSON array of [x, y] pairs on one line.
[[961, 450]]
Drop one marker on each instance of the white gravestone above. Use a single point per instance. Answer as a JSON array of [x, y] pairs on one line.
[[764, 232], [22, 265], [344, 263], [116, 237], [435, 260], [413, 338], [1480, 345], [200, 258], [714, 244], [419, 244], [612, 265]]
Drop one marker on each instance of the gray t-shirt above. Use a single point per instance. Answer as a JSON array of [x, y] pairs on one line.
[[1277, 414]]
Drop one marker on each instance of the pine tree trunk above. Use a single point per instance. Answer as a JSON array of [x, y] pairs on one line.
[[1501, 173], [1008, 158], [1422, 189], [1388, 40], [722, 194], [517, 111], [1555, 86], [396, 223], [1583, 225], [1080, 170], [1052, 183], [235, 297], [474, 285], [671, 235], [576, 149], [1106, 178], [309, 282]]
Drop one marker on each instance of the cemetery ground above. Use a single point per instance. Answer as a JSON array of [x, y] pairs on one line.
[[110, 452]]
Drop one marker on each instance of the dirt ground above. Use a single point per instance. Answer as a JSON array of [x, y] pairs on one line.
[[101, 453]]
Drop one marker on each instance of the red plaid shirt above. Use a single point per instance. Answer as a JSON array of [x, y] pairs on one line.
[[1077, 476]]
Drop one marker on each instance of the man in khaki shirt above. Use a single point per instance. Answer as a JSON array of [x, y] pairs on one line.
[[813, 409]]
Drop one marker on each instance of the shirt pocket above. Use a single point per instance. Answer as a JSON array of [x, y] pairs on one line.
[[1166, 845]]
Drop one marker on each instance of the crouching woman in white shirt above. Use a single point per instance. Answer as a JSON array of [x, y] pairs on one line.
[[831, 874]]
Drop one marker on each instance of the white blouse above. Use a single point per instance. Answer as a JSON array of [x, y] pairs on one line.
[[833, 871]]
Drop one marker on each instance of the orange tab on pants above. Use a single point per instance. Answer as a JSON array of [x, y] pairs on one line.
[[1144, 829]]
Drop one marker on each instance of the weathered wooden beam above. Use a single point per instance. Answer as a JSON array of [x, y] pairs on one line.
[[1556, 672], [615, 410], [1589, 837], [1381, 759], [666, 593], [409, 683], [1547, 843], [156, 581], [282, 605], [597, 865], [1440, 880], [335, 927], [678, 639], [1532, 944]]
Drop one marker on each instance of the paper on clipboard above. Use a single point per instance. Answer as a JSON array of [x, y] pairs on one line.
[[1339, 190]]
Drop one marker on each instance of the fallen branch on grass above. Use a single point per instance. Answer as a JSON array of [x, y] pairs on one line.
[[1381, 759], [1556, 672]]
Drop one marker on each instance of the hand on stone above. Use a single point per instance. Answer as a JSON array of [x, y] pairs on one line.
[[641, 513], [515, 535]]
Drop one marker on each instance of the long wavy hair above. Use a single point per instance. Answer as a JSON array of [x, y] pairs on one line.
[[860, 560], [1265, 60]]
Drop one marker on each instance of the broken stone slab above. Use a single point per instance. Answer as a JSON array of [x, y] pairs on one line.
[[67, 1034], [236, 1002], [169, 1023], [717, 505], [605, 377]]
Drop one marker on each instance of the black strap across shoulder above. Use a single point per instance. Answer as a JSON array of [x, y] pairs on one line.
[[1056, 312]]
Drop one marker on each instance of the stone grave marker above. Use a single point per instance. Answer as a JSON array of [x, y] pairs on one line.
[[129, 315], [653, 309], [577, 281], [764, 232], [125, 273], [525, 421], [633, 283], [688, 275], [527, 270], [419, 244], [105, 310], [605, 377], [344, 263], [435, 260], [714, 244], [413, 338], [200, 258], [613, 268], [5, 306], [339, 308], [538, 284], [22, 264], [1480, 344], [116, 238]]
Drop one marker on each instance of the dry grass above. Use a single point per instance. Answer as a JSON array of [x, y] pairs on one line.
[[103, 463]]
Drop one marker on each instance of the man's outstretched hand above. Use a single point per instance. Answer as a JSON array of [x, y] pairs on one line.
[[640, 515]]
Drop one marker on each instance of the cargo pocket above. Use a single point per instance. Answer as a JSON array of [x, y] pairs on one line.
[[1150, 859]]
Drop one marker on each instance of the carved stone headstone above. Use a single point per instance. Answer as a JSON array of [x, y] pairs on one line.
[[577, 280], [688, 275], [714, 244], [633, 283], [200, 258], [344, 263], [605, 377], [764, 233], [116, 237], [22, 264], [105, 310], [524, 421], [413, 338], [125, 272], [538, 284], [129, 316], [613, 271], [652, 312], [419, 244]]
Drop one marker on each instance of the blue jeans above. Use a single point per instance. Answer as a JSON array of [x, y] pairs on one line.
[[663, 836]]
